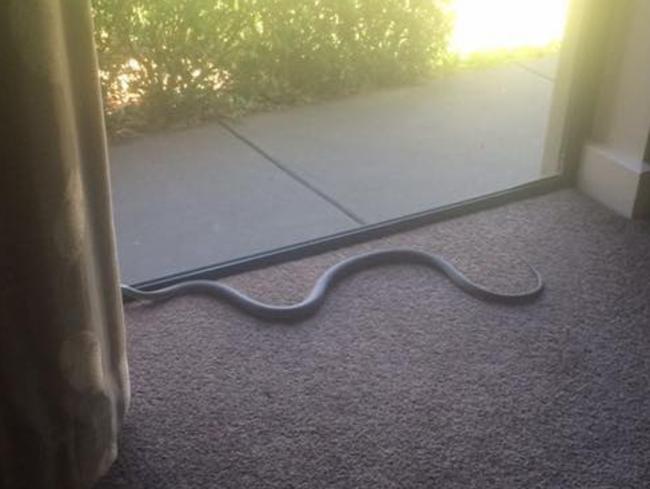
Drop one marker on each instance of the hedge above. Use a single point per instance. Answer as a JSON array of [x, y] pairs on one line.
[[178, 61]]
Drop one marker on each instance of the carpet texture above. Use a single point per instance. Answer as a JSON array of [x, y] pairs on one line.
[[402, 380]]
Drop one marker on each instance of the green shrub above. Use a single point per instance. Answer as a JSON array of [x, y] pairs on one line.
[[177, 61]]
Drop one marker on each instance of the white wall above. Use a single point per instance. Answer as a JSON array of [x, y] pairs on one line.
[[612, 168]]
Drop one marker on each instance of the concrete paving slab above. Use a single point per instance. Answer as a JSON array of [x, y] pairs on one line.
[[401, 151], [194, 198], [545, 66]]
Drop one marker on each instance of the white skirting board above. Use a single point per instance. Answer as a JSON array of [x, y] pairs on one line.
[[621, 184]]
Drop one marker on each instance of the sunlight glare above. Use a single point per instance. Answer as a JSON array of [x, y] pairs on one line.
[[484, 25]]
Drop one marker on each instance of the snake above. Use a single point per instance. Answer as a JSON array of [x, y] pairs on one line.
[[316, 297]]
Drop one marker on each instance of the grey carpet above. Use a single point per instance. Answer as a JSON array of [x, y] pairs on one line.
[[403, 381]]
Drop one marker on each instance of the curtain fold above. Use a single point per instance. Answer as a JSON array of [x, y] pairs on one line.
[[64, 386]]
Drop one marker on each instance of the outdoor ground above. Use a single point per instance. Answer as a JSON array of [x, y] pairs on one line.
[[223, 191]]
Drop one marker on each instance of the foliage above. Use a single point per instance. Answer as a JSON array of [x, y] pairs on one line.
[[169, 61]]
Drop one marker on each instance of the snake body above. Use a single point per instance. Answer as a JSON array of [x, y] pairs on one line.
[[332, 275]]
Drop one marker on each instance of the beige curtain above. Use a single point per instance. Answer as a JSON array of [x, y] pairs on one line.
[[63, 371]]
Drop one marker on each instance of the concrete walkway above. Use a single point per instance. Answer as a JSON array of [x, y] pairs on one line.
[[210, 194]]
